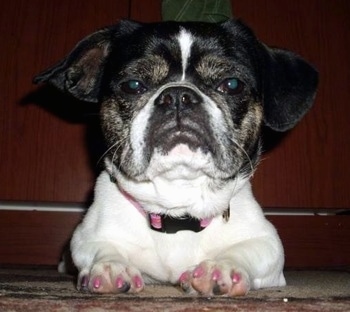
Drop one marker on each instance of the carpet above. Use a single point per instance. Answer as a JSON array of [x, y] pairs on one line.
[[43, 289]]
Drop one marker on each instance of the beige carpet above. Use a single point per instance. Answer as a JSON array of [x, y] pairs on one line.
[[42, 289]]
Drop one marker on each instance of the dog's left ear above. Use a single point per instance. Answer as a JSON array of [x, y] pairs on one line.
[[289, 88], [81, 71]]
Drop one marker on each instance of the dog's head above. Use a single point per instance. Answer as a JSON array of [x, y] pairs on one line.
[[183, 99]]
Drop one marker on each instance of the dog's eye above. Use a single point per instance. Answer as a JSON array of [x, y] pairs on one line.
[[133, 87], [231, 86]]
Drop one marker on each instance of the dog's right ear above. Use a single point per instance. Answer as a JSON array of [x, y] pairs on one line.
[[80, 72]]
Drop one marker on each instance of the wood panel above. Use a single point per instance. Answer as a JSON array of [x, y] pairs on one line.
[[34, 237], [145, 10], [309, 168], [44, 151]]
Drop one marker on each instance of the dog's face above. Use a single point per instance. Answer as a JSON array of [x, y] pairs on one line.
[[183, 99]]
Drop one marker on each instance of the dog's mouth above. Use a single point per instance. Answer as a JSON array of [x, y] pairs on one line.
[[181, 154], [169, 141]]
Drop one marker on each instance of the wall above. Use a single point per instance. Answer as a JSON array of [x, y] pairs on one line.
[[50, 144]]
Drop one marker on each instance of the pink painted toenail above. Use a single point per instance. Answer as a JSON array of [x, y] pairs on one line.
[[198, 272], [185, 276], [97, 283], [236, 278], [138, 281], [216, 275], [119, 282]]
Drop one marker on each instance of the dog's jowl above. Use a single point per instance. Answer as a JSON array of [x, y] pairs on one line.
[[182, 106]]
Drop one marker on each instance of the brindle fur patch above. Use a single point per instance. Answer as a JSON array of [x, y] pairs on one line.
[[212, 68], [151, 69], [116, 129]]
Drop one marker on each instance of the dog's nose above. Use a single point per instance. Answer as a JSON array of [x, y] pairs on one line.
[[179, 98]]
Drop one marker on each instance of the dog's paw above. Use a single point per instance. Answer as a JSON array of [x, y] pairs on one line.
[[110, 277], [215, 278]]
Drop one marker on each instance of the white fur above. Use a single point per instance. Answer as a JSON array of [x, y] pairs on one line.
[[185, 41]]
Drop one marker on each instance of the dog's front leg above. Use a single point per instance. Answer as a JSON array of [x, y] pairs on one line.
[[107, 271], [250, 264]]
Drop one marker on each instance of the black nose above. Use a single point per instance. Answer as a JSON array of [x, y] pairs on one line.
[[179, 98]]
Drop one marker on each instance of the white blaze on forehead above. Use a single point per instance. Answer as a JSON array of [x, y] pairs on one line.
[[185, 41]]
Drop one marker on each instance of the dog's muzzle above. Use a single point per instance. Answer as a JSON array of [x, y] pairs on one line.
[[179, 118]]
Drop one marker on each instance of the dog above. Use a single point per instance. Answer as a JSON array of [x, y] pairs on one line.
[[182, 108]]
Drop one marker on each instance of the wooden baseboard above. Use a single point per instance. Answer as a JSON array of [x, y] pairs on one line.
[[38, 237]]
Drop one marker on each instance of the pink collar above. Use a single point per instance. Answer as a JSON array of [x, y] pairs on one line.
[[166, 224]]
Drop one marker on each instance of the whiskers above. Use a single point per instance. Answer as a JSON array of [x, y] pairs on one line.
[[241, 148], [116, 146]]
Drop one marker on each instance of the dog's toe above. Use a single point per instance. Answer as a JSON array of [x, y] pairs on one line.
[[122, 285], [137, 283], [100, 284], [239, 286], [83, 283], [204, 278], [185, 281]]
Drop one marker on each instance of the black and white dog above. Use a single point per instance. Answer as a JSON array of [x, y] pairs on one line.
[[182, 106]]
